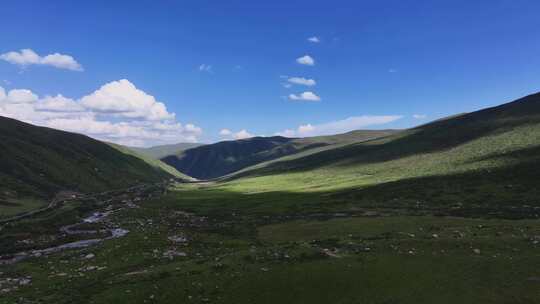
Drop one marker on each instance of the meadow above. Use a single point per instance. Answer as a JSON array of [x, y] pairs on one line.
[[443, 213]]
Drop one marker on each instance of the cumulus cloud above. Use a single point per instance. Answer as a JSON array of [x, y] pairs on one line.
[[340, 126], [26, 57], [314, 39], [306, 96], [302, 81], [121, 98], [306, 60], [242, 134], [21, 96], [117, 112], [225, 132], [419, 116], [58, 104], [228, 134]]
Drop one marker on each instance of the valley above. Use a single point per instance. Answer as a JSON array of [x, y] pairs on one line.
[[447, 212]]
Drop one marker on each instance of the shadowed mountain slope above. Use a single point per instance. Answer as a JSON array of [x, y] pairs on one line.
[[222, 158], [156, 163], [158, 152], [521, 117], [39, 162]]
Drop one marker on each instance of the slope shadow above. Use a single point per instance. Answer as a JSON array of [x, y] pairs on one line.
[[433, 137], [510, 191]]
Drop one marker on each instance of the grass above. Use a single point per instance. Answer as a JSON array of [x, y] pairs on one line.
[[38, 162], [222, 158], [444, 213], [244, 256], [158, 152], [12, 207], [152, 161]]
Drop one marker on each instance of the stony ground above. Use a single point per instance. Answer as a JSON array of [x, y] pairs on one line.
[[181, 251]]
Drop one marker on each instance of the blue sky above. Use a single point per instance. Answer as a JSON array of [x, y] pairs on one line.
[[223, 64]]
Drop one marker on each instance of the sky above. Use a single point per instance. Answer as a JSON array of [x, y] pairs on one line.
[[155, 72]]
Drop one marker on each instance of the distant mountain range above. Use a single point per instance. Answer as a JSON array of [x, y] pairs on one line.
[[222, 158], [39, 161], [158, 152]]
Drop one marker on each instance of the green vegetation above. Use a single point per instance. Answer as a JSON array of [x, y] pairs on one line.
[[154, 162], [487, 159], [212, 161], [38, 162], [158, 152], [247, 255], [447, 212], [12, 206]]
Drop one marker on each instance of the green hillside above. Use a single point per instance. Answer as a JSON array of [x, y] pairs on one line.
[[485, 158], [215, 160], [38, 162], [158, 152], [447, 212], [156, 163]]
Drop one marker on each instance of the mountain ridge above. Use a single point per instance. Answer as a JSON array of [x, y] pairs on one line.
[[39, 161], [225, 157]]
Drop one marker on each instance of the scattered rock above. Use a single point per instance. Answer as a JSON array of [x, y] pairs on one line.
[[172, 253], [178, 239]]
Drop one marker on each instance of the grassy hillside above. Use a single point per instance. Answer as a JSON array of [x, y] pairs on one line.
[[156, 163], [158, 152], [211, 161], [38, 162], [489, 157], [444, 213]]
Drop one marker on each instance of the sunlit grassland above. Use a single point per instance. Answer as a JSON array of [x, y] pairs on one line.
[[485, 153]]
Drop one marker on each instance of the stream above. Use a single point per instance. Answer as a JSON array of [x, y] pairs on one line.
[[72, 230]]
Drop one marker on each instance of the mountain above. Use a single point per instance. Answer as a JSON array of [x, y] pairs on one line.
[[156, 163], [39, 162], [158, 152], [435, 137], [415, 216], [484, 160], [222, 158]]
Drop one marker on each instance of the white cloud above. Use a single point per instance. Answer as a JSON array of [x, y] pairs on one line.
[[58, 103], [340, 126], [205, 68], [28, 57], [228, 134], [314, 39], [118, 113], [21, 96], [243, 134], [306, 60], [121, 98], [24, 57], [419, 116], [302, 81], [225, 132], [306, 96]]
